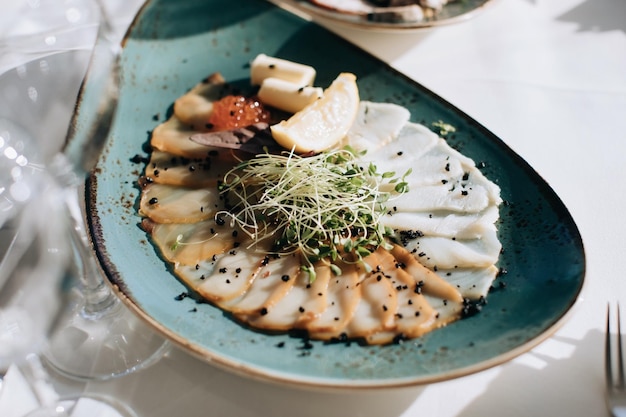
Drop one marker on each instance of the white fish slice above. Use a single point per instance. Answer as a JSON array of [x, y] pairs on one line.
[[230, 275], [427, 280], [473, 283], [411, 144], [414, 315], [376, 125], [173, 136], [196, 106], [165, 168], [195, 275], [343, 298], [273, 281], [445, 224], [445, 253], [164, 203], [304, 302], [428, 170], [191, 243], [376, 309], [430, 198]]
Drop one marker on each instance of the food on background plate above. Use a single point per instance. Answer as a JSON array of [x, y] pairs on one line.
[[386, 10], [338, 217]]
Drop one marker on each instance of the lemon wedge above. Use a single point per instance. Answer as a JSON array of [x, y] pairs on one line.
[[323, 123]]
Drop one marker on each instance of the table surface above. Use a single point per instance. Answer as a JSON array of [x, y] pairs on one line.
[[549, 78]]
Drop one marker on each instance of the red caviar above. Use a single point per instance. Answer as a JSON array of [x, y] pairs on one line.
[[232, 112]]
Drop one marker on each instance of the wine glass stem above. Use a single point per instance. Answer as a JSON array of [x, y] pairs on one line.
[[98, 297]]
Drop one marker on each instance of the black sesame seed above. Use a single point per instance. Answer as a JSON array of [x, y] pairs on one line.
[[138, 159]]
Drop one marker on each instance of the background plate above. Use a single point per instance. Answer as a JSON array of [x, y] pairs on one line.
[[453, 12], [171, 46]]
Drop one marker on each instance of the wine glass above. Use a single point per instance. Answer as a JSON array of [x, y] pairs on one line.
[[34, 291], [64, 49]]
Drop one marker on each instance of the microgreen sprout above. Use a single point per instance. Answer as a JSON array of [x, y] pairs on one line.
[[443, 128], [176, 243], [325, 206]]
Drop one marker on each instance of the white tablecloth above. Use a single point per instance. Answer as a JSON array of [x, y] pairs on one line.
[[549, 78]]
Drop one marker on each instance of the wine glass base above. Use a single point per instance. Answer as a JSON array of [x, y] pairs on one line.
[[86, 405], [84, 347]]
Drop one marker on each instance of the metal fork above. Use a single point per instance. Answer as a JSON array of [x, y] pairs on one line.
[[616, 388]]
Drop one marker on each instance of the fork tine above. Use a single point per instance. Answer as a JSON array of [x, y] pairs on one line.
[[620, 360], [608, 366]]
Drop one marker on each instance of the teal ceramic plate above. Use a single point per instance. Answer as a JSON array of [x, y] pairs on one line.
[[380, 20], [175, 43]]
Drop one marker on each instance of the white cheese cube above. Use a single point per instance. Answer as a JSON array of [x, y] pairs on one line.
[[288, 96], [265, 66]]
